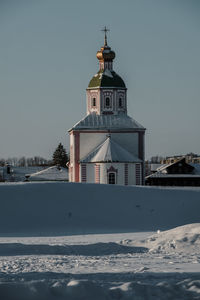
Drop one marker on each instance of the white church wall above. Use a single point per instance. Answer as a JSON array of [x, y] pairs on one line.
[[107, 93], [72, 154], [120, 177], [128, 141], [131, 174], [71, 147], [120, 172], [89, 141], [90, 95], [120, 94], [90, 173]]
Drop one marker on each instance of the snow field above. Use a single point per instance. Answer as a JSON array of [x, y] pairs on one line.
[[133, 265], [180, 289], [100, 267], [68, 208]]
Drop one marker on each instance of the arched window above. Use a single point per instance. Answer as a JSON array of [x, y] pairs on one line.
[[93, 101], [120, 102], [107, 102], [111, 177]]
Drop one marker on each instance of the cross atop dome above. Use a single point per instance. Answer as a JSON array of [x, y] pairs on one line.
[[105, 36], [105, 55]]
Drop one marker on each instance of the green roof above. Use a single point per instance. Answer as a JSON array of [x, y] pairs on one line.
[[106, 78]]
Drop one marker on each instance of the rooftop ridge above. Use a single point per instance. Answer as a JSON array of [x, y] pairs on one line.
[[97, 122]]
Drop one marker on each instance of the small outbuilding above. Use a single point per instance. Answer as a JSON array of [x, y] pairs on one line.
[[179, 173], [54, 173]]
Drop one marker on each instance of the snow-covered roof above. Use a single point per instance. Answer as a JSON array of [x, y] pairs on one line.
[[54, 173], [18, 173], [110, 151], [161, 175], [99, 122], [196, 168], [163, 168], [156, 167], [161, 172]]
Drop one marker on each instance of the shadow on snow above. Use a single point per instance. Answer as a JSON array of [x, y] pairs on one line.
[[98, 249]]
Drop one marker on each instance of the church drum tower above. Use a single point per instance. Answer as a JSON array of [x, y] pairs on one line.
[[107, 146]]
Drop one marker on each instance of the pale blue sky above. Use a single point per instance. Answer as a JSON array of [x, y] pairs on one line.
[[48, 55]]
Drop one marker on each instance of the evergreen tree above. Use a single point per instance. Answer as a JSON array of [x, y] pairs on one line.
[[60, 156]]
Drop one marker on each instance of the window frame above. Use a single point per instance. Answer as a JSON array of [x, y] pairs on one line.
[[109, 102], [120, 102], [94, 102], [112, 180]]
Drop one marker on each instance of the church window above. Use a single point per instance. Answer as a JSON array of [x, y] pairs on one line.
[[120, 102], [111, 178], [93, 101], [107, 102]]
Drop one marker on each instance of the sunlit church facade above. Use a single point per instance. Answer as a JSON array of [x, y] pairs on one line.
[[107, 146]]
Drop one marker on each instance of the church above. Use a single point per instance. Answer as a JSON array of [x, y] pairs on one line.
[[107, 146]]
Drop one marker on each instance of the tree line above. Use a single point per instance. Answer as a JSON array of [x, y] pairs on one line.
[[60, 157]]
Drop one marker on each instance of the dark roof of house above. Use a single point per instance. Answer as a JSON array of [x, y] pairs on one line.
[[194, 170]]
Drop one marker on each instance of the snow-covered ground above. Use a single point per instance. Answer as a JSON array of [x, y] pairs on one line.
[[152, 264], [75, 208], [109, 266]]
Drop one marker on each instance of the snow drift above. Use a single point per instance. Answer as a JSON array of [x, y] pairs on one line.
[[76, 268], [185, 239], [71, 208], [185, 289]]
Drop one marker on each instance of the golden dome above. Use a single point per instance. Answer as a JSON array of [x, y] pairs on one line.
[[105, 54]]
